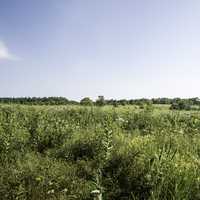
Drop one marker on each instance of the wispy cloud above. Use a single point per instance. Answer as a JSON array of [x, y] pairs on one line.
[[5, 53]]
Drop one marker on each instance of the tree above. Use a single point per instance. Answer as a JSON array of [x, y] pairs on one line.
[[180, 105], [123, 102], [86, 101], [100, 101]]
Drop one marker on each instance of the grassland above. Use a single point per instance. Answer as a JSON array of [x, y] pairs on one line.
[[65, 152]]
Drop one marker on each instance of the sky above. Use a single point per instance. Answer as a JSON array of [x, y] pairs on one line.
[[86, 48]]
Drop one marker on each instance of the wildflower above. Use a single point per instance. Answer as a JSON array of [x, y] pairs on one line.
[[120, 119], [51, 191], [65, 190], [50, 183], [39, 178]]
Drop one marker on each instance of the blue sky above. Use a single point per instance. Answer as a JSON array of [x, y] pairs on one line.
[[115, 48]]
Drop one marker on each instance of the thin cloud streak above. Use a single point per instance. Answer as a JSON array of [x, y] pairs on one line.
[[5, 53]]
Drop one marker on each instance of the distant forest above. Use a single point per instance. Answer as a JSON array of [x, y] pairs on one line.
[[176, 103]]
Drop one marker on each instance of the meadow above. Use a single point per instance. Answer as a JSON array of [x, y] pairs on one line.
[[126, 152]]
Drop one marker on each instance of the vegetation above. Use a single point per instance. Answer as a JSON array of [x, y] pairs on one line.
[[176, 103], [181, 105], [52, 152], [86, 101], [38, 101]]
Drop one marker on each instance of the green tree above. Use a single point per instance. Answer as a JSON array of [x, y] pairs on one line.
[[86, 101], [180, 105], [100, 101]]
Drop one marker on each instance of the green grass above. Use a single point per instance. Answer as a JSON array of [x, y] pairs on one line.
[[65, 152]]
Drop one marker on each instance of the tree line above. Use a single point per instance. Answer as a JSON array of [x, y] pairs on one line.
[[38, 100], [176, 103]]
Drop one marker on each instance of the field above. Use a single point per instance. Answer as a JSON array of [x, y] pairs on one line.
[[65, 152]]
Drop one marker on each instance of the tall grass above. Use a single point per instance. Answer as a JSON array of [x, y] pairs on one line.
[[66, 152]]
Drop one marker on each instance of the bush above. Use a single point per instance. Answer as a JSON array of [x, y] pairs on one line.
[[180, 105]]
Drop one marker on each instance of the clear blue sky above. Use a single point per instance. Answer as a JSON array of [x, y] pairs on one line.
[[115, 48]]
